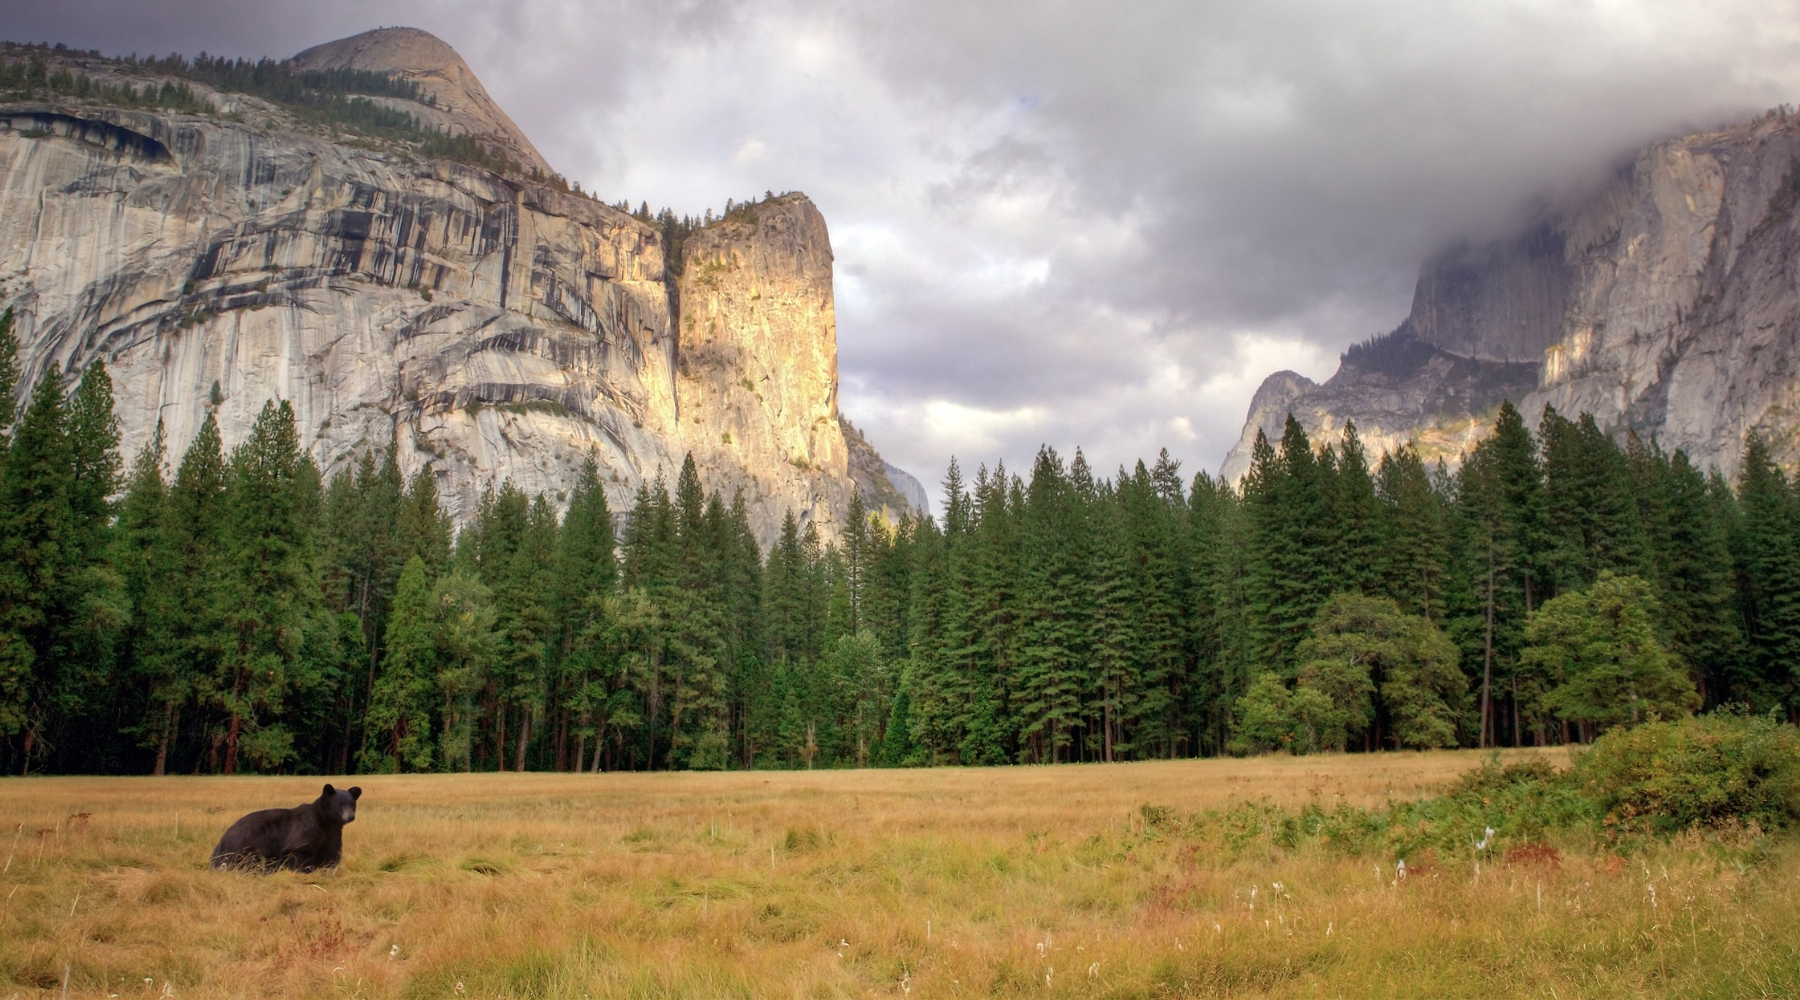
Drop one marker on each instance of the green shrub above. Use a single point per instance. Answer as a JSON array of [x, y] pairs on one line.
[[1668, 776]]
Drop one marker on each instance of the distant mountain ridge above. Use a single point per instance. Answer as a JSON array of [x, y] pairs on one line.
[[1666, 303]]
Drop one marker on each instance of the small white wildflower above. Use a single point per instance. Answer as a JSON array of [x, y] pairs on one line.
[[1094, 971], [393, 953]]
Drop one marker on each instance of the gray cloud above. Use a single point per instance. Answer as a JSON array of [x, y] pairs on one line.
[[1086, 224]]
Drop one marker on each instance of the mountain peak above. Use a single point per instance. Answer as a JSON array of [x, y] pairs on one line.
[[459, 103]]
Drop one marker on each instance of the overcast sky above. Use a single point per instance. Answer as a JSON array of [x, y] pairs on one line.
[[1094, 224]]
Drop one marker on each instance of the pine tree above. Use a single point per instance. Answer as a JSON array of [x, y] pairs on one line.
[[93, 447], [400, 733], [1590, 517], [1053, 625], [194, 631], [1414, 555], [945, 639], [270, 597], [422, 528], [989, 584], [90, 612], [1357, 543], [1290, 543], [1689, 559], [1111, 620], [149, 562], [1768, 554], [36, 539], [586, 573], [1500, 496], [1222, 632]]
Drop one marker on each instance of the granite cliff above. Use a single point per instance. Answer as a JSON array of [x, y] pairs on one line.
[[484, 323], [1667, 302]]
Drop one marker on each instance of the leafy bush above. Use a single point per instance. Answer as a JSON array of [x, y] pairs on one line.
[[1668, 776]]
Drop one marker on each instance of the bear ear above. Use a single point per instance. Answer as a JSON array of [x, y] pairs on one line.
[[355, 793], [329, 790]]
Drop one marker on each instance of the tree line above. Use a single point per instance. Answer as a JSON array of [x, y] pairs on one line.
[[245, 614]]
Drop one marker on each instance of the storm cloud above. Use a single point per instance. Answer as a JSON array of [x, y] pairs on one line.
[[1093, 225]]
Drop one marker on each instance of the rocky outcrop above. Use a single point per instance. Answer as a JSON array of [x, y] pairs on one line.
[[885, 487], [483, 326], [1396, 389], [756, 382], [1666, 303]]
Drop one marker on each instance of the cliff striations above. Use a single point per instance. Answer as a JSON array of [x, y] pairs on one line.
[[484, 325], [1667, 303]]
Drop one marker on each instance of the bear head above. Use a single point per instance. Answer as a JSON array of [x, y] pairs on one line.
[[338, 806]]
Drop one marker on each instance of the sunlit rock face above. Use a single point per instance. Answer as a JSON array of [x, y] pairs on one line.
[[1665, 303], [483, 327]]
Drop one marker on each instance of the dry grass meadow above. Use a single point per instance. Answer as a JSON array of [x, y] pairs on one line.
[[931, 883]]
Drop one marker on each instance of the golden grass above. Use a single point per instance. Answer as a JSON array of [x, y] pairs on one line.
[[1030, 881]]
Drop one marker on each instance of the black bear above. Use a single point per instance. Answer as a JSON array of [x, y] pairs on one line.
[[302, 838]]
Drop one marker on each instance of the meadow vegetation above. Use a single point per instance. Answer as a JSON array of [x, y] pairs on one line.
[[1273, 876]]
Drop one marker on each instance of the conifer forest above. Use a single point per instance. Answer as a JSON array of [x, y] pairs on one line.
[[194, 610]]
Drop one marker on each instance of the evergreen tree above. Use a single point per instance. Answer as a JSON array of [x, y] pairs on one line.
[[1768, 554], [1414, 556], [1290, 543], [270, 595], [1500, 501], [400, 734], [466, 644], [422, 528], [1590, 516], [1687, 542], [37, 538], [586, 573], [148, 561], [91, 610], [1052, 625], [1358, 541], [1223, 641], [194, 638]]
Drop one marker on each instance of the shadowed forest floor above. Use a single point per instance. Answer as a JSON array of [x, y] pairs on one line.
[[913, 883]]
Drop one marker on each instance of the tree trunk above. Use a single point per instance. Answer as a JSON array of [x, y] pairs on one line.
[[524, 736], [30, 741], [499, 736], [162, 744], [231, 743], [1487, 668]]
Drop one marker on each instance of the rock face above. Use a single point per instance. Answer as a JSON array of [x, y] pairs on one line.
[[459, 104], [1666, 303], [482, 326]]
